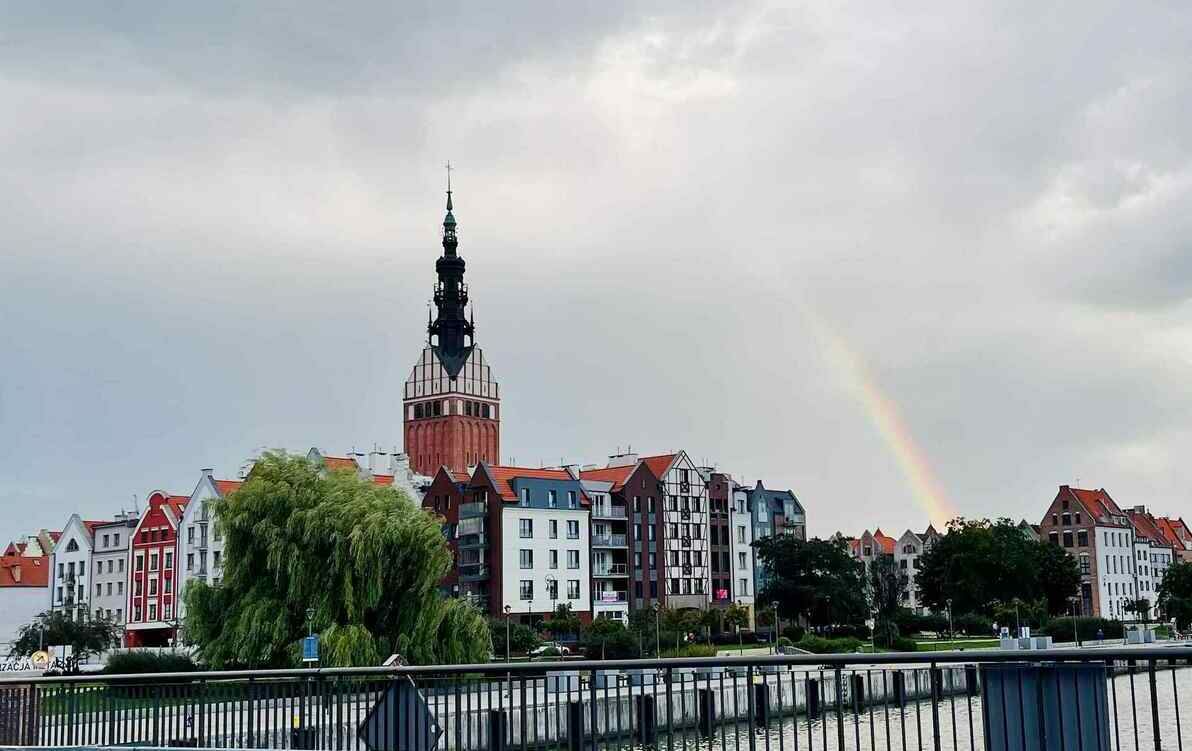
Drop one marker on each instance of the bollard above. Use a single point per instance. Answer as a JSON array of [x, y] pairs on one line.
[[761, 704], [575, 726], [971, 686], [498, 730], [899, 681], [813, 699], [858, 687], [647, 720], [707, 713]]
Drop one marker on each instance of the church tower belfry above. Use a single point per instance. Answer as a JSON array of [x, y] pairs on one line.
[[451, 405]]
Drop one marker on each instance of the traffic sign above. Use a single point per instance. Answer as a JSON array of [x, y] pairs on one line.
[[400, 721], [310, 649]]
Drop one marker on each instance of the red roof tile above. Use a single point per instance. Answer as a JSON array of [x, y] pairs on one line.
[[18, 571], [659, 464], [885, 541], [223, 487], [1144, 526], [502, 475], [340, 462], [616, 475], [92, 524], [460, 476], [1097, 501], [382, 479]]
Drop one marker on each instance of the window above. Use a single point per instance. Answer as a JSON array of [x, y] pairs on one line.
[[525, 528], [1066, 520], [672, 530], [1067, 538], [637, 560], [105, 540], [572, 529], [552, 498], [650, 505], [153, 561], [526, 558], [674, 587], [119, 588], [526, 590], [740, 533], [743, 587], [554, 559], [573, 559], [552, 589], [1082, 538], [190, 561], [109, 589], [152, 587], [650, 534], [98, 589], [116, 543], [554, 529], [697, 558], [525, 496], [1053, 537], [653, 559], [168, 608], [153, 611], [120, 565], [571, 499], [573, 589], [215, 559], [637, 504], [61, 570], [674, 558], [169, 559], [136, 613], [140, 562], [190, 535]]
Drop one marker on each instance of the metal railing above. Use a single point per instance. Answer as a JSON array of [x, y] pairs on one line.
[[608, 541], [611, 569], [1130, 698], [608, 512], [473, 508], [610, 597]]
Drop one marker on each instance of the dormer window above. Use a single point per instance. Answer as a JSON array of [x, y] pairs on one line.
[[525, 496]]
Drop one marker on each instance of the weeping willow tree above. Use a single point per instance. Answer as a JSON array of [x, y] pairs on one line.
[[363, 558]]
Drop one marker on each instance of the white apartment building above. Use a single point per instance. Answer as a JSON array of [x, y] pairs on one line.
[[741, 524], [1116, 569], [109, 566], [200, 542], [610, 552], [70, 564], [907, 551]]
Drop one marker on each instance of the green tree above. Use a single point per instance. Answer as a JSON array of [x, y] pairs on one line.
[[886, 585], [85, 636], [818, 580], [363, 558], [1175, 594], [521, 638], [563, 622], [709, 619], [978, 564], [736, 617], [1140, 608]]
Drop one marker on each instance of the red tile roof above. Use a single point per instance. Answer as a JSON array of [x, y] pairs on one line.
[[1144, 526], [659, 464], [616, 475], [382, 479], [885, 541], [223, 487], [55, 536], [460, 476], [340, 462], [1168, 531], [18, 571], [1097, 501], [178, 504], [502, 475], [92, 524]]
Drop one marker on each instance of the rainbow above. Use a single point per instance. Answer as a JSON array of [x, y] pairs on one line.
[[887, 418]]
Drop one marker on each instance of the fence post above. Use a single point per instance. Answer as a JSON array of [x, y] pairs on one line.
[[813, 699], [575, 726], [971, 685], [1154, 706], [761, 703], [707, 712], [858, 691], [647, 719], [498, 724]]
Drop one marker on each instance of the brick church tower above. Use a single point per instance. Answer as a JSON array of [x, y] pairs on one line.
[[452, 405]]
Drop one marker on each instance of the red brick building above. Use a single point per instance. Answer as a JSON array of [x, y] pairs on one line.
[[452, 403], [153, 572]]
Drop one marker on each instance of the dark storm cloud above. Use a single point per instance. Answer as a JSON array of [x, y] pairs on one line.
[[221, 222]]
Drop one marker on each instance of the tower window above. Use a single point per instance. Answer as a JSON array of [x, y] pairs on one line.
[[438, 408], [484, 411], [418, 414]]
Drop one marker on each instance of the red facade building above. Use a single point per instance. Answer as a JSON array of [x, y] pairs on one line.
[[153, 573]]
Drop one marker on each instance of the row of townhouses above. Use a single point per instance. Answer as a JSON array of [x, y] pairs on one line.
[[1122, 555]]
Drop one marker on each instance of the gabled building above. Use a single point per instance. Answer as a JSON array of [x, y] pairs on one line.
[[775, 512], [907, 551], [71, 564], [1178, 534], [610, 549], [24, 585], [109, 566], [388, 469], [633, 494], [681, 524], [444, 497], [152, 598], [533, 528], [1093, 528], [730, 540], [1153, 554], [200, 540]]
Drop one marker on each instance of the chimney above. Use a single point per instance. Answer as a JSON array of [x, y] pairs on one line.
[[399, 465], [207, 471]]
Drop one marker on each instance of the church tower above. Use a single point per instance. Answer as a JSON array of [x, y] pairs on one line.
[[452, 405]]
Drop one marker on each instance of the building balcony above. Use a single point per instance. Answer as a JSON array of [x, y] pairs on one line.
[[608, 512], [476, 508], [612, 569], [473, 573], [610, 597], [473, 541], [609, 541]]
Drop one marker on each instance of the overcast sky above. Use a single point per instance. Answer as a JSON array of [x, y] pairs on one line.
[[898, 258]]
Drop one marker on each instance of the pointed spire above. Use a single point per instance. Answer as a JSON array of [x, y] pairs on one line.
[[449, 186]]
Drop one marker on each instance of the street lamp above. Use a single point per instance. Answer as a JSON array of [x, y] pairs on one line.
[[507, 611], [310, 621], [657, 640], [951, 632], [774, 625], [1075, 632]]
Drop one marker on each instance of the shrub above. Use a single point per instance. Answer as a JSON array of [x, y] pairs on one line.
[[885, 634], [691, 650], [1060, 629], [127, 663], [746, 637], [974, 624], [845, 631], [819, 645], [903, 644], [784, 642], [522, 638], [793, 633], [912, 623]]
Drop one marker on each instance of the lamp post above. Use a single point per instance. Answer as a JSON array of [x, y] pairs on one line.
[[507, 611], [774, 625], [828, 600], [1075, 632], [951, 631], [657, 640]]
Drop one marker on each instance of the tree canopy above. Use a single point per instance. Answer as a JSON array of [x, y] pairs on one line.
[[1175, 593], [886, 585], [365, 559], [55, 628], [816, 579], [979, 565]]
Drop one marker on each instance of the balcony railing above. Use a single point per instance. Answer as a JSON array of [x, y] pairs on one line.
[[475, 508], [608, 512], [473, 541], [472, 573], [608, 541], [611, 569], [609, 597]]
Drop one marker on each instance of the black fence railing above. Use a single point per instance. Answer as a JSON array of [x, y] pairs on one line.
[[1105, 699]]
